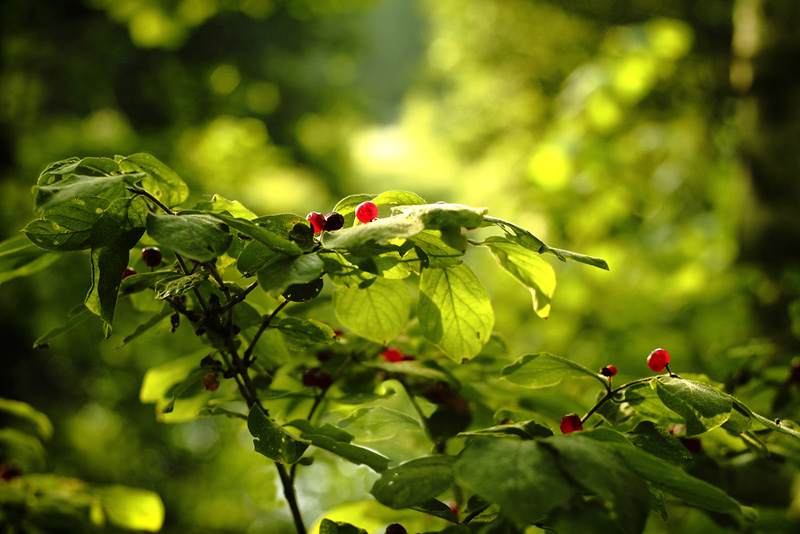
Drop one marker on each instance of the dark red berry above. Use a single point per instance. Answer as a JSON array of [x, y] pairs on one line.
[[316, 377], [392, 355], [366, 211], [609, 371], [408, 358], [333, 221], [396, 528], [128, 272], [9, 472], [210, 381], [317, 221], [324, 355], [658, 360], [570, 423], [794, 374], [151, 256], [693, 445]]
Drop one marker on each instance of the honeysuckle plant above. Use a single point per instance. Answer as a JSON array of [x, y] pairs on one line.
[[414, 325]]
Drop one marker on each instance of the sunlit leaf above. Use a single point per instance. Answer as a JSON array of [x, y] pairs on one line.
[[454, 311], [67, 226], [377, 309], [160, 181], [544, 370], [132, 508]]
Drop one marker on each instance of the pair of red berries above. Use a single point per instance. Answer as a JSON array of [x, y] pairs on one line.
[[365, 212]]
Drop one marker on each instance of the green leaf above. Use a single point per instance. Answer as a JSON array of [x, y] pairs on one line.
[[784, 427], [338, 441], [600, 263], [281, 272], [601, 472], [22, 449], [36, 419], [330, 527], [701, 407], [159, 386], [528, 268], [254, 256], [544, 370], [438, 216], [270, 239], [415, 482], [168, 288], [146, 280], [198, 237], [378, 231], [375, 423], [132, 508], [219, 204], [76, 316], [79, 186], [343, 273], [672, 479], [423, 369], [397, 198], [67, 226], [272, 440], [438, 509], [657, 440], [520, 476], [377, 310], [454, 311], [156, 318], [524, 430], [160, 181], [20, 257], [108, 264], [304, 333], [433, 252]]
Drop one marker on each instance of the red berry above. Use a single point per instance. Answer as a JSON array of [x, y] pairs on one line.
[[366, 211], [570, 423], [333, 221], [317, 221], [396, 528], [316, 377], [392, 355], [658, 360], [151, 256], [128, 272], [609, 371], [10, 471]]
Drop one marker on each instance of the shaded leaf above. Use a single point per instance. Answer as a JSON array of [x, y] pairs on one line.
[[303, 333], [173, 287], [520, 476], [67, 226], [701, 407], [524, 430], [281, 272], [270, 239], [339, 527], [272, 440], [337, 441], [433, 252], [24, 411], [195, 236], [415, 482], [375, 423], [20, 257], [76, 316], [657, 440], [78, 186], [219, 204]]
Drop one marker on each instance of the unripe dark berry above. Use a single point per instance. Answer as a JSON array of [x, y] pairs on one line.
[[693, 445], [609, 371], [396, 528], [317, 221], [570, 423], [333, 221], [316, 377], [392, 355], [366, 211], [151, 256], [794, 374], [658, 360], [128, 272]]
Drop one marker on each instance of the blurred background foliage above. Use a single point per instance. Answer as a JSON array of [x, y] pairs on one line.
[[660, 135]]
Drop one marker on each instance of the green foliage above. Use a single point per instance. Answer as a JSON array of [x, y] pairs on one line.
[[306, 387]]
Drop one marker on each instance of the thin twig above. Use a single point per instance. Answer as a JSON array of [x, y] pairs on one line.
[[264, 325]]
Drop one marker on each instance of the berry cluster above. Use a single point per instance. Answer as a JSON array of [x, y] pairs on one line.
[[365, 212]]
